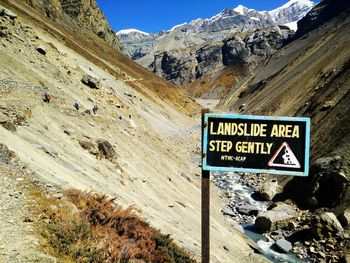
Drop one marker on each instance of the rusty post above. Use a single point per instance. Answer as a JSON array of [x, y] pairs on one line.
[[205, 204]]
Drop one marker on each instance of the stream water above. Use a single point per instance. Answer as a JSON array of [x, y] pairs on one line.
[[243, 209]]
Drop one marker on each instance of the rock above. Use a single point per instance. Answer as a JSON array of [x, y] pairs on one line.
[[3, 31], [268, 190], [279, 216], [325, 186], [91, 82], [8, 13], [325, 226], [87, 145], [249, 210], [284, 245], [345, 258], [327, 164], [8, 125], [312, 250], [28, 219], [344, 218], [226, 248], [106, 150], [69, 132], [227, 211], [58, 195], [177, 67], [47, 97], [235, 52], [321, 254], [84, 14], [292, 225], [41, 50]]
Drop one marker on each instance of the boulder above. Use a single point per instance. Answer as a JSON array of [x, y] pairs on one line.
[[41, 50], [327, 164], [4, 118], [344, 218], [268, 190], [250, 210], [87, 145], [6, 155], [106, 150], [8, 125], [283, 245], [227, 211], [324, 187], [8, 13], [91, 82], [325, 226], [279, 216]]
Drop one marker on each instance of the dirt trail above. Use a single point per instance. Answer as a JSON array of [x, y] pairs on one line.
[[17, 240]]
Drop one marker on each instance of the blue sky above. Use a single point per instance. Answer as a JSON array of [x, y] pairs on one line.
[[154, 15]]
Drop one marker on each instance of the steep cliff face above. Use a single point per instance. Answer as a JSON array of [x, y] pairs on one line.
[[76, 13], [220, 66]]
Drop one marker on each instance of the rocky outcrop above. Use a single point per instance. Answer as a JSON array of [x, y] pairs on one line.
[[106, 149], [235, 51], [255, 46], [268, 190], [344, 218], [325, 226], [277, 217], [325, 186], [175, 67], [81, 13], [183, 66], [216, 43], [91, 81]]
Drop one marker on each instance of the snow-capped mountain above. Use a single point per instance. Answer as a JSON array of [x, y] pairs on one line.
[[288, 14], [182, 43], [236, 19], [131, 33]]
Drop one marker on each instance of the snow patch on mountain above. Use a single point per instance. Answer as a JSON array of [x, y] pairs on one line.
[[131, 31], [242, 10], [177, 26], [292, 25]]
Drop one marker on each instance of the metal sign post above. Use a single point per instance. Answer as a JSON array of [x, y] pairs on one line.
[[256, 144], [250, 144], [205, 204]]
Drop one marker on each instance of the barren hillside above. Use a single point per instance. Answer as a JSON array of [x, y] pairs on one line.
[[78, 114], [309, 77]]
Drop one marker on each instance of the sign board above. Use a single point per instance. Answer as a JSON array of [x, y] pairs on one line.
[[256, 144]]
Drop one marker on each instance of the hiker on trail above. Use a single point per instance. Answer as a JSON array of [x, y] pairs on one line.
[[76, 105], [47, 97]]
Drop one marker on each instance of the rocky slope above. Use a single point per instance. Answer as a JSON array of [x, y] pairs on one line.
[[79, 114], [309, 77], [180, 54], [78, 13]]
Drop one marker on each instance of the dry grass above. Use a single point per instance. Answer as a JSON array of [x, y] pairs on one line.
[[91, 228]]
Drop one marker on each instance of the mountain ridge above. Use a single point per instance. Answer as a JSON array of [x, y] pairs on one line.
[[175, 54]]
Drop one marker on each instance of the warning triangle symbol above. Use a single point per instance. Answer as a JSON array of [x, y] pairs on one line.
[[284, 157]]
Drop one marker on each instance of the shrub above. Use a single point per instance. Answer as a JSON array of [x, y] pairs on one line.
[[101, 231]]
